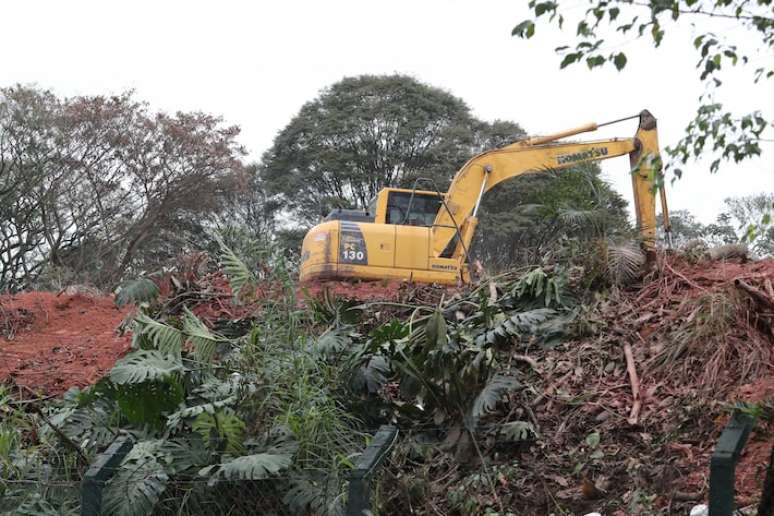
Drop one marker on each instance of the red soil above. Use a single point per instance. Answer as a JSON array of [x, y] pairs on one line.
[[757, 391], [51, 343]]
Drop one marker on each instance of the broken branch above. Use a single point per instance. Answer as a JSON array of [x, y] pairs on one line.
[[635, 383]]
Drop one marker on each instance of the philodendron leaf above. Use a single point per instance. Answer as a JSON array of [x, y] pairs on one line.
[[435, 330], [491, 393], [518, 430], [138, 483], [248, 467], [144, 365]]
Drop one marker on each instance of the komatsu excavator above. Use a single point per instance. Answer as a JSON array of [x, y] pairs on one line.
[[425, 236]]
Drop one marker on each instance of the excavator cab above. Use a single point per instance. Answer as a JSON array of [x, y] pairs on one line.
[[398, 224], [405, 207]]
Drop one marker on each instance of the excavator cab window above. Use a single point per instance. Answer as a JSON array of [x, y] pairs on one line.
[[419, 211]]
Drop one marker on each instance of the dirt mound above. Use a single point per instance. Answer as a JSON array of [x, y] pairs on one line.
[[698, 338], [702, 339], [52, 343]]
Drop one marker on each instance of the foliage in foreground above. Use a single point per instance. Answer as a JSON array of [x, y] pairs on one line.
[[715, 131], [205, 412], [273, 403]]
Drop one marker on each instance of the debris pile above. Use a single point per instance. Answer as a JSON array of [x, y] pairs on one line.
[[620, 417], [14, 319], [627, 413], [51, 343]]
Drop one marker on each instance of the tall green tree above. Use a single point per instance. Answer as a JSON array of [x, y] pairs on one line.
[[714, 131], [362, 134]]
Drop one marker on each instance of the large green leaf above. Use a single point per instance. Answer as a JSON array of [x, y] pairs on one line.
[[164, 337], [138, 290], [138, 484], [239, 275], [221, 431], [319, 496], [144, 365], [435, 330], [371, 375], [249, 467], [492, 392], [88, 425], [147, 403], [332, 342], [174, 419], [203, 340]]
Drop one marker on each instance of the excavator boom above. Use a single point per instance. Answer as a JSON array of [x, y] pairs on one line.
[[425, 236]]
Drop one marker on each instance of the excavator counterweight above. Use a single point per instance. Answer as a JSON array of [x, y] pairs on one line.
[[425, 235]]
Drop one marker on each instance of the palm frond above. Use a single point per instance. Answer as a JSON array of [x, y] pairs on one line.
[[539, 286], [583, 220], [144, 365], [202, 339], [519, 324], [167, 339], [625, 261], [237, 272]]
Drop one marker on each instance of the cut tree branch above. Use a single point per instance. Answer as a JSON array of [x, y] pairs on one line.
[[635, 383]]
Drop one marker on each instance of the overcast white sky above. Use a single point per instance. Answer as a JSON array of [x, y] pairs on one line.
[[256, 63]]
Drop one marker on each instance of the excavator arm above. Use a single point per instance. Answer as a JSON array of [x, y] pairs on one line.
[[455, 225]]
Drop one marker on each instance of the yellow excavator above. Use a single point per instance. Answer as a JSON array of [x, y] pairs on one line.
[[425, 236]]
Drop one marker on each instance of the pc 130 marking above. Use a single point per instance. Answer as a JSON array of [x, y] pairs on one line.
[[353, 247]]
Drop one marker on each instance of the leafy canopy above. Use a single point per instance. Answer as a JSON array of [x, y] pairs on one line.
[[714, 130], [364, 133]]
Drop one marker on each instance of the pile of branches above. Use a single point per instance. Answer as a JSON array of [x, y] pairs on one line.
[[222, 292], [711, 322], [12, 320], [620, 416]]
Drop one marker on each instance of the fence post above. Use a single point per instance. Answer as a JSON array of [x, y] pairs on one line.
[[723, 464], [99, 473], [359, 498]]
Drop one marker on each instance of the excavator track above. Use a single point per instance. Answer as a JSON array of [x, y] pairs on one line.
[[375, 290]]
